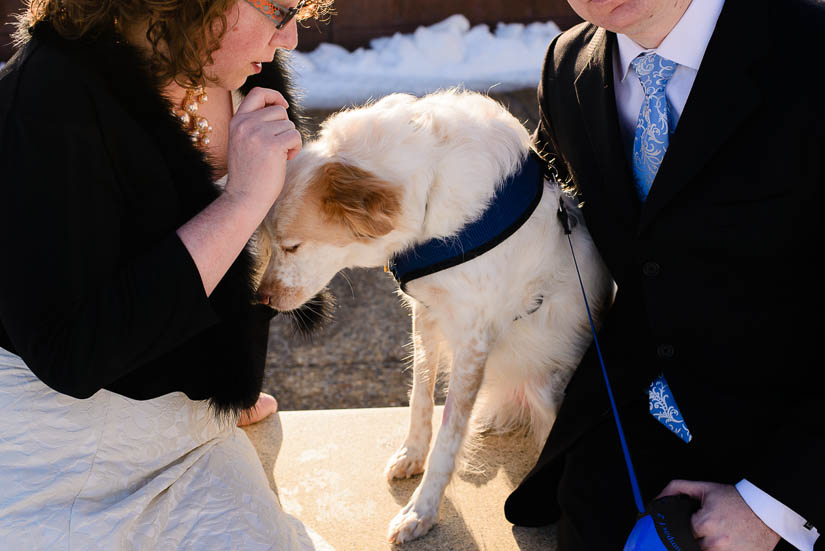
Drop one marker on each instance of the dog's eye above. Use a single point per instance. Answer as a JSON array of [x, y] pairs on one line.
[[291, 249]]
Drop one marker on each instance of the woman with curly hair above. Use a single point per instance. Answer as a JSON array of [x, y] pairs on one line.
[[141, 144]]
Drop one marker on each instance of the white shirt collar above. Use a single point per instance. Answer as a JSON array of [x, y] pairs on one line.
[[685, 44]]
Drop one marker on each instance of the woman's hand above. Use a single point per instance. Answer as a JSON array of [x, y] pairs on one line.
[[261, 140]]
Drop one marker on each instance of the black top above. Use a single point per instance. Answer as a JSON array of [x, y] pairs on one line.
[[717, 286], [96, 289]]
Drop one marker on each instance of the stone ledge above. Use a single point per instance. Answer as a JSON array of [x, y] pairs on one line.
[[329, 473]]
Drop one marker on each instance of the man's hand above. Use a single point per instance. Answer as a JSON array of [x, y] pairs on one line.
[[724, 522]]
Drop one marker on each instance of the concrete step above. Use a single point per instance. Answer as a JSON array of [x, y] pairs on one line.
[[327, 468]]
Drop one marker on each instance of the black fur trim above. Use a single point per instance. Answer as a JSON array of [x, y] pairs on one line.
[[314, 314], [231, 354], [275, 75]]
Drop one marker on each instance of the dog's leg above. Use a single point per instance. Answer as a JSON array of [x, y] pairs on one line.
[[419, 515], [411, 456]]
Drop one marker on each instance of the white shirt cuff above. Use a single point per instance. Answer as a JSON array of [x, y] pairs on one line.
[[778, 517]]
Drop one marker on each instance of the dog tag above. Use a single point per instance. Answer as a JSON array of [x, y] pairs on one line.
[[663, 407]]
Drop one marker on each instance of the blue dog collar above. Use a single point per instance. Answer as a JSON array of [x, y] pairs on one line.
[[510, 207]]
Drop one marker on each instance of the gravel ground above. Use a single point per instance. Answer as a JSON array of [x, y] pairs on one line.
[[361, 358]]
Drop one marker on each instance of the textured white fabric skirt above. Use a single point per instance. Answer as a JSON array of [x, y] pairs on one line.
[[113, 473]]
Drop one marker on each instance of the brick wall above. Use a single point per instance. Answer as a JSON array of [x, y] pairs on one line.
[[357, 21]]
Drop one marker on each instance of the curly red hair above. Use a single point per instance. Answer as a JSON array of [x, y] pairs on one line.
[[183, 33]]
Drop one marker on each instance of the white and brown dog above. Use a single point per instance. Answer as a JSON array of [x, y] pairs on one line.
[[511, 321]]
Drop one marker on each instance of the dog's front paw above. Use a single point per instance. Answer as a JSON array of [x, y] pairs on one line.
[[404, 463], [410, 524]]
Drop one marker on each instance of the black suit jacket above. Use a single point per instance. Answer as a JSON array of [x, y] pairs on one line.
[[96, 289], [717, 284]]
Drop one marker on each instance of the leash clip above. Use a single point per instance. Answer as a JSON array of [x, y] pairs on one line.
[[563, 217], [551, 173]]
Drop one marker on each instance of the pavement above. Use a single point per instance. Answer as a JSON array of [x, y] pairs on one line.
[[327, 468], [362, 358]]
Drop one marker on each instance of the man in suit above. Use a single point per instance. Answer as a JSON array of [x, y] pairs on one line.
[[693, 133]]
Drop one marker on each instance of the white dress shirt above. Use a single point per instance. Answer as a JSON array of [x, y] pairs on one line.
[[686, 44]]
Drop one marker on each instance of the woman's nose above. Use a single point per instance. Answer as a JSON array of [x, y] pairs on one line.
[[286, 37]]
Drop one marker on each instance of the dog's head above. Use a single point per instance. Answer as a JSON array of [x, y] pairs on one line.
[[329, 217], [377, 178]]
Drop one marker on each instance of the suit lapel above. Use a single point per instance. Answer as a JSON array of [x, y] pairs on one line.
[[713, 112], [597, 101]]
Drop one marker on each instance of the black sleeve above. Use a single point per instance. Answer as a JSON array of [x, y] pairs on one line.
[[544, 136], [81, 311]]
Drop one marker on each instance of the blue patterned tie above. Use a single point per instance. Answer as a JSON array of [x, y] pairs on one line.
[[663, 407], [649, 145], [653, 127]]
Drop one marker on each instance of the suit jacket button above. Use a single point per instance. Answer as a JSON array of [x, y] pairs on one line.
[[651, 269], [665, 351]]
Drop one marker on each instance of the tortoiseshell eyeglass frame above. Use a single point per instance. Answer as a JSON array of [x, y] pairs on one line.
[[272, 10]]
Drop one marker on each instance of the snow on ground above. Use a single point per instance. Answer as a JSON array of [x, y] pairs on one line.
[[449, 53]]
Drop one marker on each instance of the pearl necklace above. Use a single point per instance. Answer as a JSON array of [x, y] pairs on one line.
[[197, 127]]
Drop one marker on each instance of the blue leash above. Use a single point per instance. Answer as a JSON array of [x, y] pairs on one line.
[[637, 494], [666, 525]]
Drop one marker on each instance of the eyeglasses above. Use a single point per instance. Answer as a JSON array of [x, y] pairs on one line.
[[276, 12]]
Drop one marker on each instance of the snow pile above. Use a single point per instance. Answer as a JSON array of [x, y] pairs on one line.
[[449, 53]]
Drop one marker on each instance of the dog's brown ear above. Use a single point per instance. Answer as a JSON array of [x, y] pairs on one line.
[[360, 200]]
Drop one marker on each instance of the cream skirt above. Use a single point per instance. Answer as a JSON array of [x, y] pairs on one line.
[[112, 473]]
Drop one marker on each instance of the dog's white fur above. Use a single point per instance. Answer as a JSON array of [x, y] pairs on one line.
[[426, 167]]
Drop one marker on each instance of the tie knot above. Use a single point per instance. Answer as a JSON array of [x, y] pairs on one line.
[[654, 72]]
